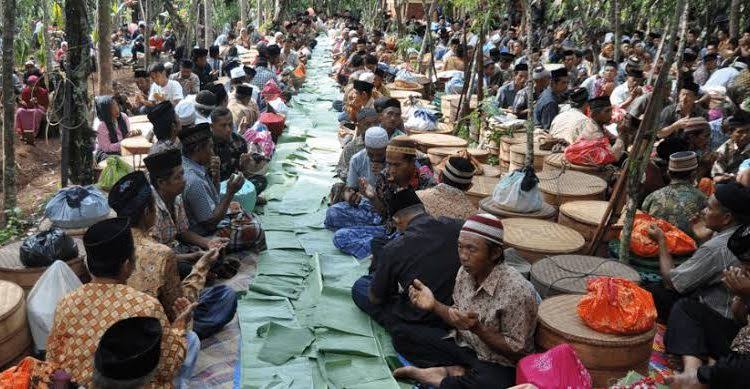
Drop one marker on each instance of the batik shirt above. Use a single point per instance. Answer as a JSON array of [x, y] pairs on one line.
[[445, 200], [156, 273], [729, 158], [229, 153], [168, 224], [503, 301], [82, 317], [676, 203], [385, 190]]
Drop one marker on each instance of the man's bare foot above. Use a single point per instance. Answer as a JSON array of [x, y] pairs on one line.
[[430, 376]]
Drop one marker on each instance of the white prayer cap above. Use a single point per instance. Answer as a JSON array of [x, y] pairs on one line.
[[355, 40], [495, 39], [237, 72], [278, 34], [376, 138], [367, 77], [185, 111]]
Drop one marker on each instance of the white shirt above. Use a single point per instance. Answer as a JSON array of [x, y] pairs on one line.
[[721, 78], [172, 91], [619, 94]]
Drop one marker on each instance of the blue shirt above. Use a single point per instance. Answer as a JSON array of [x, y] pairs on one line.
[[506, 95], [546, 109], [718, 137], [200, 196], [360, 167]]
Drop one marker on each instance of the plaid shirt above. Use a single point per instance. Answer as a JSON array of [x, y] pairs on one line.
[[200, 196], [168, 224], [262, 75]]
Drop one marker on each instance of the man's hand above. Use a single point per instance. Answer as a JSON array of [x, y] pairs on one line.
[[365, 189], [421, 296], [463, 320], [245, 159], [655, 233], [235, 184], [217, 243], [637, 91], [352, 197], [687, 379], [211, 256], [737, 281], [182, 308]]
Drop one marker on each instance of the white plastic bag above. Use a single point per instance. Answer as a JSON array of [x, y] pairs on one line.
[[57, 281], [421, 119], [509, 195]]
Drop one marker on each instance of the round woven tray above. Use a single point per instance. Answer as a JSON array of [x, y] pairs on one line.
[[404, 94], [11, 268], [536, 239], [556, 161], [507, 141], [479, 154], [518, 156], [607, 357], [482, 186], [437, 154], [584, 216], [441, 128], [569, 274], [491, 171], [427, 141], [488, 205], [15, 339], [404, 87], [560, 187]]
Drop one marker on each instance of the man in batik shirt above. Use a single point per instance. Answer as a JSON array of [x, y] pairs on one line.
[[82, 317], [448, 198]]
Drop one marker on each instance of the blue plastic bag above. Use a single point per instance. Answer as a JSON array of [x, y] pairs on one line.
[[518, 193], [77, 207], [246, 196]]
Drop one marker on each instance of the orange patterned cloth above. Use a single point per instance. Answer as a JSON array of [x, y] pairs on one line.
[[82, 317], [707, 186], [29, 373]]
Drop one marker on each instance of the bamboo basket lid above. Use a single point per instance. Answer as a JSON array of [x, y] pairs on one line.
[[520, 149], [441, 128], [444, 151], [138, 119], [491, 171], [559, 314], [570, 183], [404, 94], [439, 140], [541, 236], [570, 273], [489, 205], [11, 297], [587, 211], [404, 87], [479, 153], [136, 144], [558, 160], [514, 139], [482, 186]]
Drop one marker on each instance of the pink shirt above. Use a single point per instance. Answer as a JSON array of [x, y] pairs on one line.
[[102, 136]]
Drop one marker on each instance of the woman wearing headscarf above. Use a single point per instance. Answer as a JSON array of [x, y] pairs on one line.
[[32, 109], [112, 126]]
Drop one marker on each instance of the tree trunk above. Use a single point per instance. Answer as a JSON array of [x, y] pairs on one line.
[[76, 131], [680, 48], [179, 26], [9, 107], [399, 18], [104, 47], [734, 19], [207, 25], [146, 12], [243, 13], [427, 34], [616, 25], [529, 89]]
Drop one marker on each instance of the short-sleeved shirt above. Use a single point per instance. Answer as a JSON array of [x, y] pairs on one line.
[[229, 154], [546, 109], [700, 275], [676, 203], [671, 114], [171, 92], [168, 224], [350, 149], [262, 75], [360, 167], [447, 201], [200, 196], [417, 254], [729, 158], [503, 301], [190, 85], [506, 95]]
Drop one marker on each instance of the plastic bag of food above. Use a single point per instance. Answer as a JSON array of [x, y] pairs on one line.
[[617, 306], [558, 367], [42, 249], [678, 242], [57, 281], [421, 119], [77, 207], [594, 152], [116, 168], [518, 192]]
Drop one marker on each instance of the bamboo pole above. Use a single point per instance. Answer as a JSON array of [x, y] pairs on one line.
[[680, 52], [427, 34], [616, 21], [659, 52], [529, 162]]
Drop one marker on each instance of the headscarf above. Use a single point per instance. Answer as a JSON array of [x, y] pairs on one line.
[[103, 105]]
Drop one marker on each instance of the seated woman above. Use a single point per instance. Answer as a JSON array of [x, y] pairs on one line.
[[731, 357], [155, 270], [493, 317], [30, 115], [111, 127]]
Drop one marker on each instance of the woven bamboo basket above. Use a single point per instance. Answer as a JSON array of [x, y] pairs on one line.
[[507, 141], [15, 337], [449, 104], [404, 94], [518, 157], [482, 186], [491, 171], [488, 205], [535, 239], [569, 274], [504, 166], [584, 216], [427, 141], [437, 154], [607, 357], [560, 187], [11, 268], [556, 162], [481, 155], [405, 87], [441, 128]]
